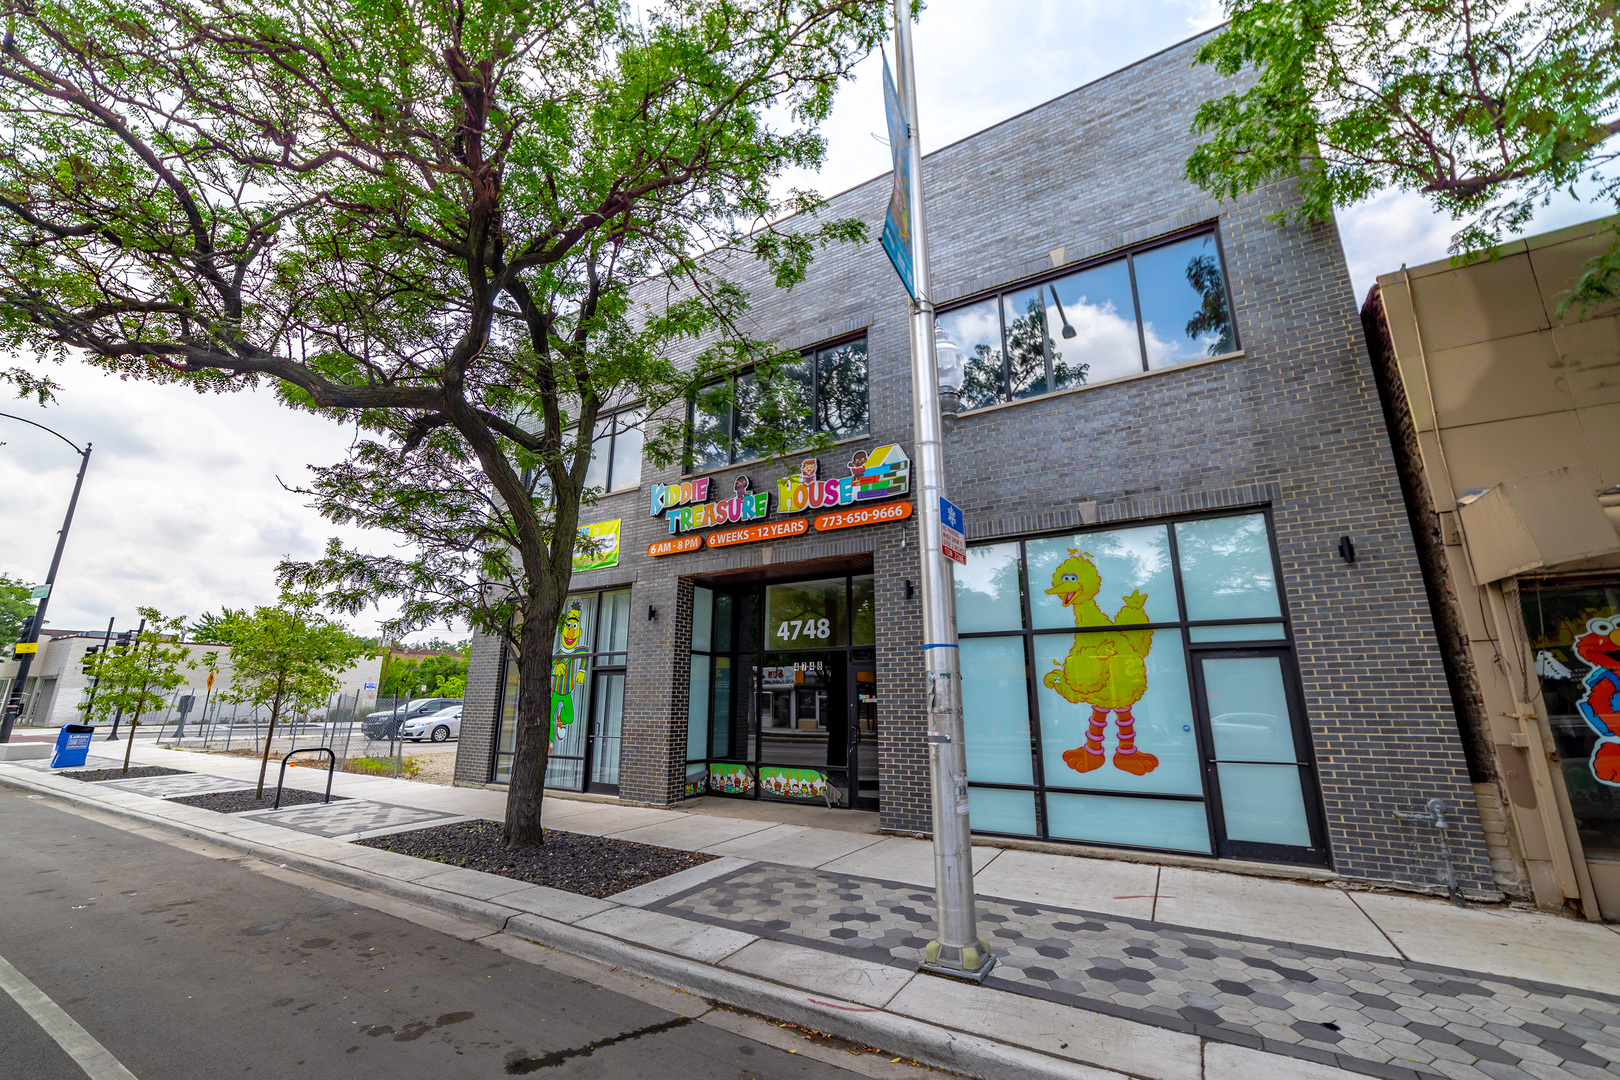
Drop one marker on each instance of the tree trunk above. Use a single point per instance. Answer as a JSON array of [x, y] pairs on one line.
[[532, 749], [134, 723], [264, 762]]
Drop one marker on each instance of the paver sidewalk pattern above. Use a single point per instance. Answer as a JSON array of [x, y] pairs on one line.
[[343, 818], [1368, 1014]]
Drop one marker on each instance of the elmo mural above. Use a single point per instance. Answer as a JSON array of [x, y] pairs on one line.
[[1599, 703]]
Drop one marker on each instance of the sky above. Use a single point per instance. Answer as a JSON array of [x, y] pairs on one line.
[[183, 507]]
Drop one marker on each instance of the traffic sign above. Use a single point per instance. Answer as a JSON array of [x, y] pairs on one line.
[[952, 540]]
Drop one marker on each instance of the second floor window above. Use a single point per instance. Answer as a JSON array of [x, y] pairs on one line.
[[1152, 308], [829, 388]]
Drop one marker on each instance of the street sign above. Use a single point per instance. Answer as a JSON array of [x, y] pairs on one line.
[[371, 686], [897, 221], [26, 646], [210, 680], [952, 540], [40, 592]]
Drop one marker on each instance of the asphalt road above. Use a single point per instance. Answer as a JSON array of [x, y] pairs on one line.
[[187, 966]]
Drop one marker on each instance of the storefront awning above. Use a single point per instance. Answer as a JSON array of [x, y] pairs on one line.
[[1534, 523]]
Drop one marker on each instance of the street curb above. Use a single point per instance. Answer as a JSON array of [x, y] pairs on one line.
[[930, 1044]]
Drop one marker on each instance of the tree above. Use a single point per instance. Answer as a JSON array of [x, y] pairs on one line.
[[287, 657], [471, 229], [15, 606], [214, 629], [409, 676], [137, 678], [1488, 108]]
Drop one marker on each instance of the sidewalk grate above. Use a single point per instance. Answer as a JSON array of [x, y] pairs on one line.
[[1375, 1015]]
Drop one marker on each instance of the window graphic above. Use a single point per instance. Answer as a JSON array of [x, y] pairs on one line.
[[1599, 704]]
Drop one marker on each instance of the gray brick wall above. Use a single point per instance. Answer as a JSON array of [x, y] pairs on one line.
[[1294, 423]]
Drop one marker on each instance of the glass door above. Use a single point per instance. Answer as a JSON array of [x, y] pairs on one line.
[[863, 733], [1257, 757], [607, 731]]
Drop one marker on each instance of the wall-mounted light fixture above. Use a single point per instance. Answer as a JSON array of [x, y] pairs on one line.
[[652, 613], [1347, 549]]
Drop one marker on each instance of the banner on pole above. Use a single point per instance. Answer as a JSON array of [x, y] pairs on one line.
[[897, 222]]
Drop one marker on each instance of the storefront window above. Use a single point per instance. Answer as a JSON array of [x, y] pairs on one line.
[[585, 714], [1575, 635], [784, 695], [1153, 308], [1097, 709]]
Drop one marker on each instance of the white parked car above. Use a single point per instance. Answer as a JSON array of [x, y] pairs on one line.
[[439, 726]]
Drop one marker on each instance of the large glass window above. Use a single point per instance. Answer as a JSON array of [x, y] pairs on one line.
[[1152, 307], [783, 698], [825, 390], [1574, 633], [1132, 686], [616, 446], [585, 715]]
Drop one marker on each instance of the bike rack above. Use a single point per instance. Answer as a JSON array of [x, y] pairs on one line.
[[331, 768]]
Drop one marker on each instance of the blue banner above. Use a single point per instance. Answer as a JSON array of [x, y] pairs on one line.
[[897, 222]]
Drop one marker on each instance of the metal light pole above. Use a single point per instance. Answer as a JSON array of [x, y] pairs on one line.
[[25, 659], [957, 951]]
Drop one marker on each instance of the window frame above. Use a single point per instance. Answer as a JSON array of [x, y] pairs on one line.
[[1320, 851], [600, 660], [811, 354], [1128, 255]]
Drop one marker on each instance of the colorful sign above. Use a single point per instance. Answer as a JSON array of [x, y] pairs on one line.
[[743, 505], [731, 779], [951, 539], [568, 670], [863, 515], [897, 222], [671, 547], [793, 783], [665, 496], [601, 544], [697, 781], [878, 474], [1599, 703], [773, 530], [25, 647]]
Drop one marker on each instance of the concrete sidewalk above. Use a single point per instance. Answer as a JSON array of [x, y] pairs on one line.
[[1106, 967]]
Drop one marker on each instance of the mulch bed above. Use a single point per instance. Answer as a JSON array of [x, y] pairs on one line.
[[596, 866], [136, 772], [237, 802]]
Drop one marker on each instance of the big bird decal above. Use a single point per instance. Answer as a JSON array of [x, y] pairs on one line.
[[1105, 669], [567, 672]]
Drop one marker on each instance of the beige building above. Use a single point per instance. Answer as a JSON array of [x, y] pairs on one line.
[[1505, 418], [57, 686]]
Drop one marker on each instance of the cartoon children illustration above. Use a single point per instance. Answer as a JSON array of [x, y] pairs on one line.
[[567, 672], [1104, 669]]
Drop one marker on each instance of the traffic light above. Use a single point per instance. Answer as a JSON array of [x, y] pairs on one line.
[[88, 664], [26, 633], [125, 639]]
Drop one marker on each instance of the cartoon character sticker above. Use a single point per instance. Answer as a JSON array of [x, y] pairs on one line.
[[1599, 703], [1106, 670], [567, 672]]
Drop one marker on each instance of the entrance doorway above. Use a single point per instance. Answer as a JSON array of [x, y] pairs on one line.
[[783, 701]]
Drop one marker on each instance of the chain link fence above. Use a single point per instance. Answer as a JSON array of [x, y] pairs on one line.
[[362, 733]]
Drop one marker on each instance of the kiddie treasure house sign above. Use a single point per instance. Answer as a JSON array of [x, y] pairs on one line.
[[874, 476]]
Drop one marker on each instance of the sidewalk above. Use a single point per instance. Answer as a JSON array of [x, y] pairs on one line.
[[1105, 968]]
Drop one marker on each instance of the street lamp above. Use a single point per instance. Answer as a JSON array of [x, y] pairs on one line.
[[30, 635], [957, 950]]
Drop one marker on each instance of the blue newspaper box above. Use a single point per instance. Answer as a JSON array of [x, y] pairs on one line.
[[72, 746]]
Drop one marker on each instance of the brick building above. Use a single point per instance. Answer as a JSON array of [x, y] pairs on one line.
[[1169, 424]]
